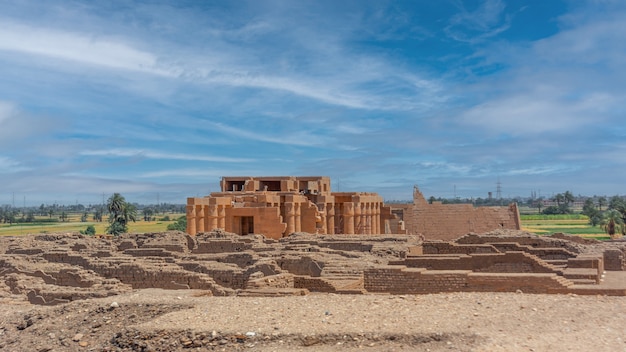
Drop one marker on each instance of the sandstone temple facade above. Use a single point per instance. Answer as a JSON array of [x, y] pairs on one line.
[[281, 205]]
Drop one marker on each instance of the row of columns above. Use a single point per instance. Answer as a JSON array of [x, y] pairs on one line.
[[293, 216], [204, 218], [358, 218], [353, 217], [361, 218]]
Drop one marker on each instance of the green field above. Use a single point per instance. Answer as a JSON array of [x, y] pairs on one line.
[[73, 224], [574, 224]]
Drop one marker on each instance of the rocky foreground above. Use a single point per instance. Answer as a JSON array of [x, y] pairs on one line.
[[223, 292], [180, 320]]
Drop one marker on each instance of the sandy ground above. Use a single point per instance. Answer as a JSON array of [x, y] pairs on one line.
[[160, 320]]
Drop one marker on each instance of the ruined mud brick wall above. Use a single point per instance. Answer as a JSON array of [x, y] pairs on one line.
[[314, 284], [301, 265], [178, 261], [440, 247], [284, 280], [398, 279], [524, 239], [145, 274], [527, 283], [614, 260], [509, 262], [403, 280], [348, 246], [544, 253], [449, 221], [220, 246], [227, 271], [65, 268]]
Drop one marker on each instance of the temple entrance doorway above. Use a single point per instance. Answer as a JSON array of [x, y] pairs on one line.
[[246, 225]]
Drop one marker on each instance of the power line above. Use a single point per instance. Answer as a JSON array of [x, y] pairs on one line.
[[498, 189]]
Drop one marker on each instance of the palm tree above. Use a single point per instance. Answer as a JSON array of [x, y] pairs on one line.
[[559, 198], [612, 222], [147, 214], [601, 203], [120, 213], [116, 204], [568, 198], [129, 213]]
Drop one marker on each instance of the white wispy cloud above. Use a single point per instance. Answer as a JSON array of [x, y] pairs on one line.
[[538, 170], [194, 173], [80, 48], [486, 21], [535, 114], [167, 95], [152, 154], [345, 79], [6, 111], [296, 138], [16, 126], [8, 165]]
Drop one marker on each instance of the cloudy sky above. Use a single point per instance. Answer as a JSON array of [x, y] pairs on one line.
[[163, 98]]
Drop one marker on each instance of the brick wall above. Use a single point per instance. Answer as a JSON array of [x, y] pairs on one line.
[[614, 260], [449, 221], [315, 284], [403, 280], [509, 262]]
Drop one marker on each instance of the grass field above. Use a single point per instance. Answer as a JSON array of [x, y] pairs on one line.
[[73, 224], [574, 224]]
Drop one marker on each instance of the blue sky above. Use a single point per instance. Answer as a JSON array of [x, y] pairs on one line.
[[165, 97]]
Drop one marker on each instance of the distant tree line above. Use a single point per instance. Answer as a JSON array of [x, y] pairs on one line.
[[612, 219]]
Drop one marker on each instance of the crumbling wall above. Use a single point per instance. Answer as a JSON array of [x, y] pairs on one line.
[[403, 280], [449, 221], [51, 269], [509, 262], [614, 260]]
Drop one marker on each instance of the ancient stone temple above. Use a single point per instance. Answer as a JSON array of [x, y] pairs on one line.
[[279, 206]]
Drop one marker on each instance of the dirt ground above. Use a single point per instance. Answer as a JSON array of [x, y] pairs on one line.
[[180, 320]]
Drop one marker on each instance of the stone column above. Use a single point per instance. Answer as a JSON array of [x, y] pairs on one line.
[[376, 219], [322, 210], [205, 215], [191, 220], [330, 218], [200, 218], [348, 218], [290, 212], [358, 227], [298, 216], [221, 217], [368, 218], [212, 217]]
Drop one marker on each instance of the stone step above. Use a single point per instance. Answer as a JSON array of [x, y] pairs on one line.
[[557, 262], [273, 292], [564, 281], [581, 273], [583, 282]]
